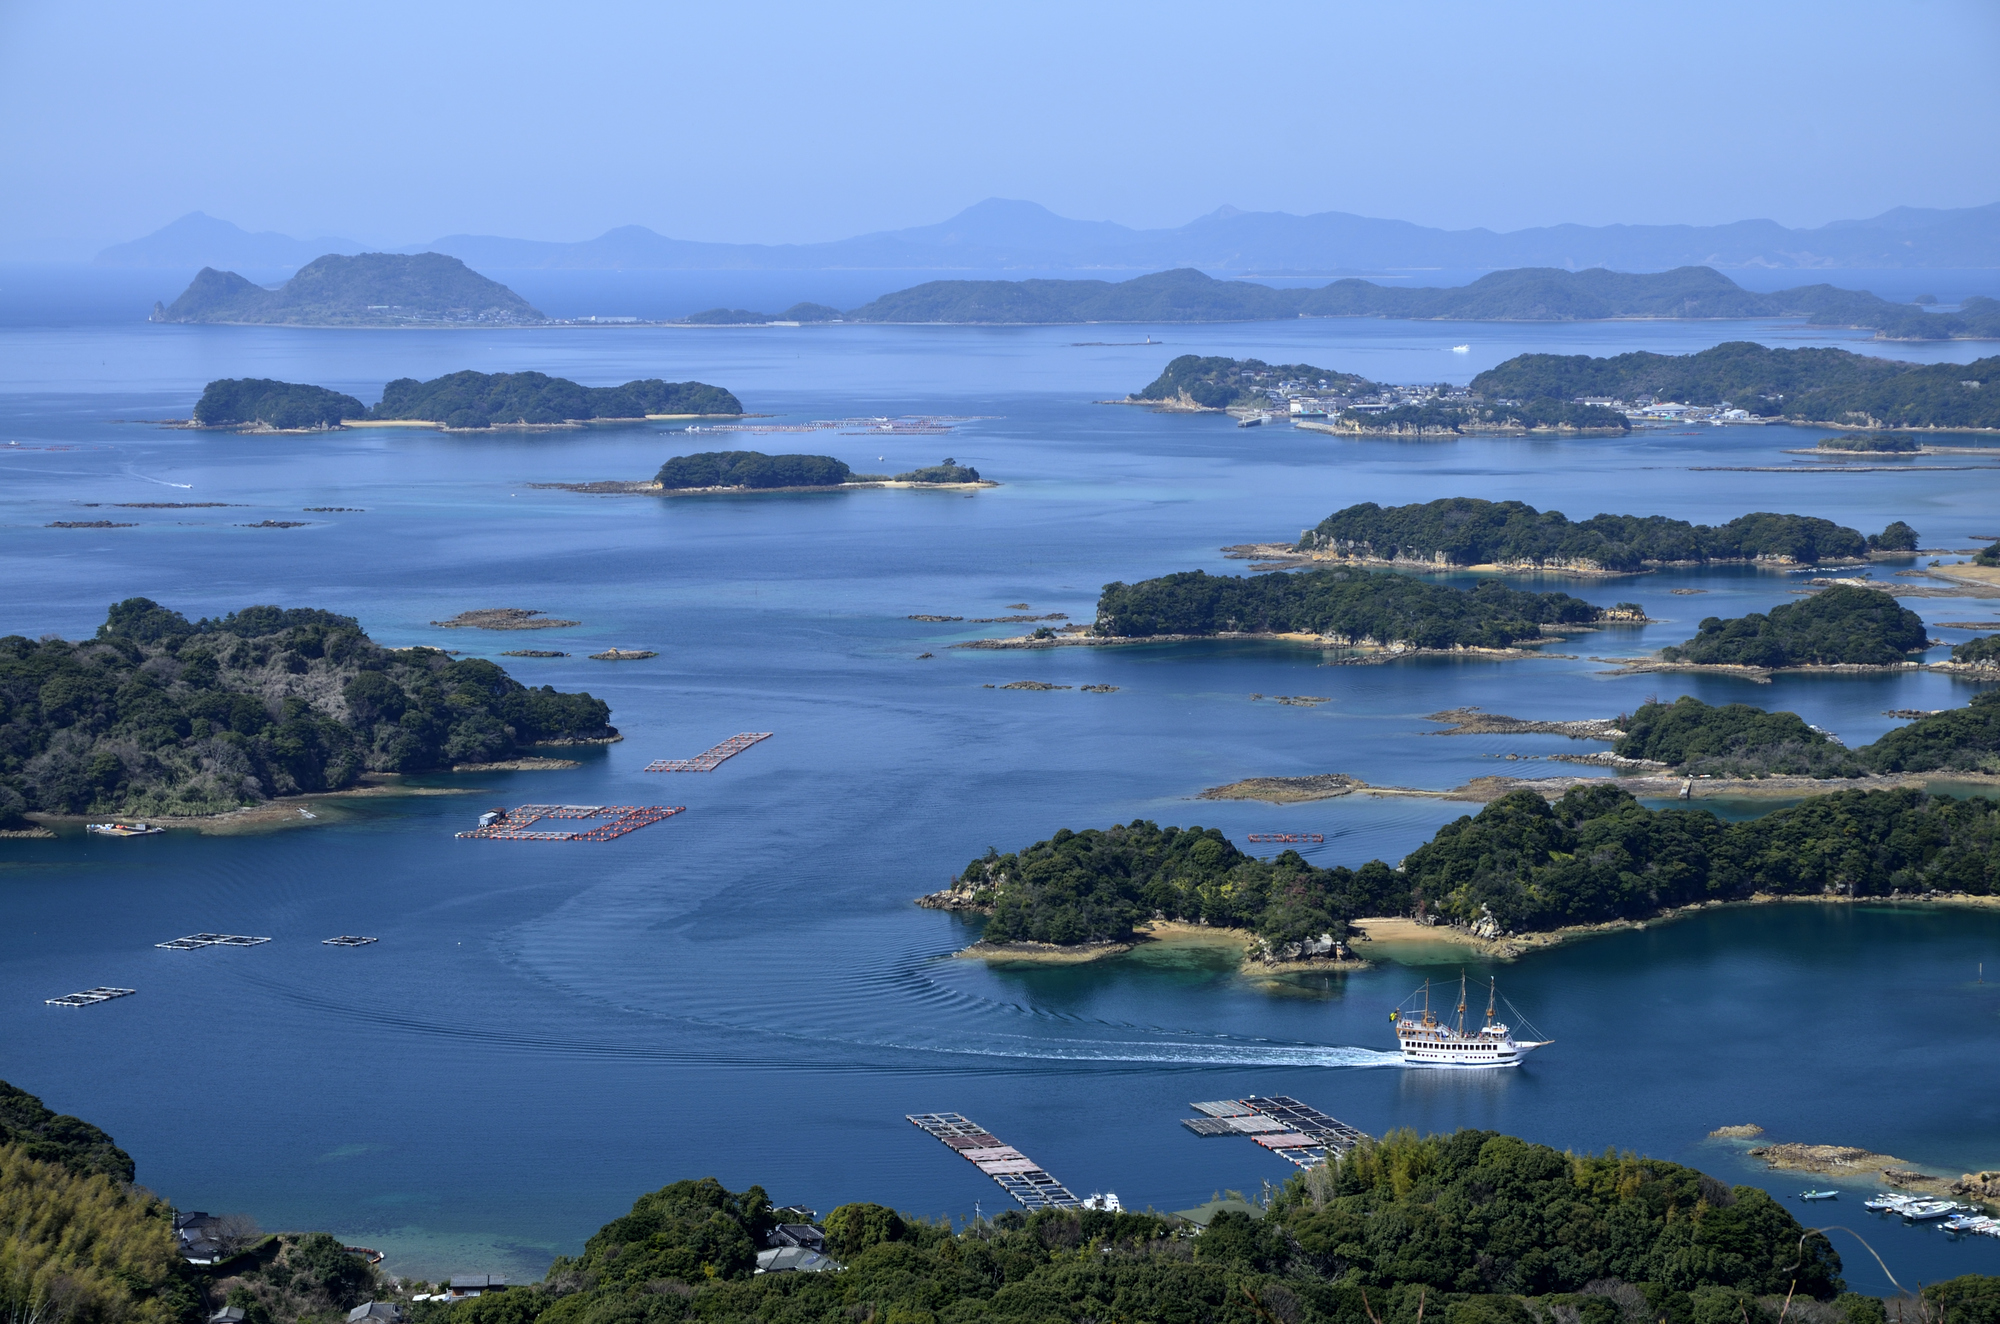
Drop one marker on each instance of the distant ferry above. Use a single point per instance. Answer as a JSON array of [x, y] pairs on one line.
[[123, 829], [1428, 1042]]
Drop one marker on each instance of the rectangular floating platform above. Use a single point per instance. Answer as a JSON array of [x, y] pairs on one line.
[[90, 997], [1290, 838], [608, 821], [1290, 1129], [1013, 1171], [346, 940], [198, 940], [711, 759]]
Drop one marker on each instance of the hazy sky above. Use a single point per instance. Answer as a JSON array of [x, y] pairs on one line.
[[397, 123]]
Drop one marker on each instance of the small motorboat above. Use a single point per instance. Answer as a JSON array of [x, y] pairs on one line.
[[1819, 1195], [1885, 1202], [120, 829], [1924, 1211]]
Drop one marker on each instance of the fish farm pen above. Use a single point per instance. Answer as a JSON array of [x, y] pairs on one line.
[[1300, 1134], [90, 997], [524, 823], [710, 759], [1290, 838], [197, 940], [1015, 1173], [346, 940]]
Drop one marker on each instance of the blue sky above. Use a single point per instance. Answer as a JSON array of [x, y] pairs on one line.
[[396, 123]]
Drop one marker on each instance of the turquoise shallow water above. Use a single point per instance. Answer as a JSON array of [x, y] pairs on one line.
[[745, 990]]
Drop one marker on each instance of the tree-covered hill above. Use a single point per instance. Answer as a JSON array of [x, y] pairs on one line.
[[1217, 383], [1981, 652], [161, 715], [950, 471], [43, 1134], [258, 401], [1732, 740], [752, 469], [1346, 606], [1885, 443], [482, 399], [1434, 418], [1808, 385], [1839, 626], [368, 289], [1957, 740], [1463, 531]]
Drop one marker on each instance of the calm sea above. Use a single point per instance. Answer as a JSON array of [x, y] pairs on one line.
[[544, 1031]]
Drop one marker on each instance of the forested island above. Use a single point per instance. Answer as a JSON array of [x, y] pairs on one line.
[[1472, 1227], [1192, 381], [1532, 294], [1523, 863], [368, 289], [459, 400], [1841, 626], [802, 313], [1358, 608], [161, 715], [1874, 443], [1827, 386], [1737, 740], [1438, 418], [1455, 532], [750, 469]]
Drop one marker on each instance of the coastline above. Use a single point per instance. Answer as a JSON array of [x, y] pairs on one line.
[[1273, 555], [617, 487], [276, 813], [1156, 935], [1862, 1165], [1661, 786], [1370, 654]]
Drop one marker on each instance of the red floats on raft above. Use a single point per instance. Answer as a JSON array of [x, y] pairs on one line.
[[606, 821]]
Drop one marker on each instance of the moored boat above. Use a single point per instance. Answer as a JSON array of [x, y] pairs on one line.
[[1427, 1041], [1819, 1195], [121, 829]]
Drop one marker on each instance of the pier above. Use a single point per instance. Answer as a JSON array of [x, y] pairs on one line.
[[609, 821], [1014, 1172], [710, 759], [198, 940], [90, 997], [1300, 1134]]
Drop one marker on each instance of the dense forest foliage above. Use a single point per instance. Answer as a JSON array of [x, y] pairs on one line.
[[1897, 537], [249, 401], [1732, 740], [1460, 531], [482, 399], [949, 471], [87, 1247], [1840, 625], [367, 289], [1891, 443], [1988, 555], [1808, 385], [47, 1136], [1594, 855], [1981, 652], [1468, 1228], [750, 469], [1435, 417], [1217, 383], [798, 312], [1346, 606], [160, 715], [1957, 740]]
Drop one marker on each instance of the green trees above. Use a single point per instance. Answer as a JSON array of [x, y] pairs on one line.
[[50, 1137], [480, 399], [1842, 625], [158, 714], [950, 471], [248, 401], [1959, 740], [1983, 651], [86, 1247], [751, 469], [1355, 606], [1462, 531], [1889, 443], [1897, 537], [1217, 383], [1735, 740]]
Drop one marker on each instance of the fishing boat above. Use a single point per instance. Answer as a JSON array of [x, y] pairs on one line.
[[1886, 1201], [1819, 1195], [1924, 1211], [116, 829], [1427, 1041]]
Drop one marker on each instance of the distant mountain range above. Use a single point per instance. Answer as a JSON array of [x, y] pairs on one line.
[[1003, 235]]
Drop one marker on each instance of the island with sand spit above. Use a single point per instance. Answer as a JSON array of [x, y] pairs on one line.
[[213, 723], [739, 473], [456, 402]]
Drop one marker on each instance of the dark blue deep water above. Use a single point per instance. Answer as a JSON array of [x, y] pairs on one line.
[[546, 1030]]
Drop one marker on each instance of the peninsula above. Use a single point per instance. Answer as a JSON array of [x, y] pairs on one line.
[[1842, 626], [159, 715], [1538, 1234], [456, 401], [366, 290]]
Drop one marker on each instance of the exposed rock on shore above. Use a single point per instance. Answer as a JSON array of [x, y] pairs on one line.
[[504, 618]]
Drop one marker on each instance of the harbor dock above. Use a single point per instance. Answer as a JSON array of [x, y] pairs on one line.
[[1014, 1172], [710, 759]]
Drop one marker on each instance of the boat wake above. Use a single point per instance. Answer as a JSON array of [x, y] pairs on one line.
[[1181, 1053]]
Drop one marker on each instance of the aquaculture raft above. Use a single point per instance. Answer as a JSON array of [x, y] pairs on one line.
[[1290, 838], [90, 996], [1016, 1173], [710, 759], [1292, 1130], [346, 940], [610, 821], [197, 940]]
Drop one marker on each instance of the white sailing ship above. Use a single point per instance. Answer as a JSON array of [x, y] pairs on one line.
[[1429, 1042]]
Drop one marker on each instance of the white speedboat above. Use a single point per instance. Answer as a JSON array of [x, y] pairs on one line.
[[1887, 1202], [1819, 1195], [120, 829], [1427, 1041], [1924, 1211]]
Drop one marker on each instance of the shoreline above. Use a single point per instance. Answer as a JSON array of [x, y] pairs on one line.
[[1155, 935], [618, 487], [1372, 654], [1272, 554], [1652, 786], [278, 812], [1856, 1164]]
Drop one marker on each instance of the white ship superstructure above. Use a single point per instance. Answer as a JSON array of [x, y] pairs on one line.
[[1429, 1042]]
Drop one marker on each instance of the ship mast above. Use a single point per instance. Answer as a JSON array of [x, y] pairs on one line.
[[1492, 993], [1461, 1003]]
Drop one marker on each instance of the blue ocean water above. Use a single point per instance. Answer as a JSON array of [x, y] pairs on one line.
[[546, 1030]]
